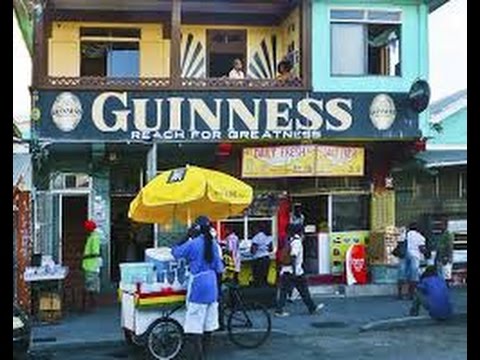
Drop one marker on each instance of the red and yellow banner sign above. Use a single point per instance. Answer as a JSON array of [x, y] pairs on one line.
[[302, 161], [278, 161], [340, 161]]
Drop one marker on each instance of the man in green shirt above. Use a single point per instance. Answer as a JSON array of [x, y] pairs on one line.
[[444, 257], [91, 264]]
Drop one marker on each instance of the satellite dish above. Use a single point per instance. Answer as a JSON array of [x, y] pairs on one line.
[[419, 95]]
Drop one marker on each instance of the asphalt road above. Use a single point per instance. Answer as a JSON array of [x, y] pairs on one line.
[[333, 341]]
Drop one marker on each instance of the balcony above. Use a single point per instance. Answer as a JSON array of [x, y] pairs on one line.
[[175, 45]]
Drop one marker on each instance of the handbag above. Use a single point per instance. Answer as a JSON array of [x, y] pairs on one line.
[[427, 253], [400, 250]]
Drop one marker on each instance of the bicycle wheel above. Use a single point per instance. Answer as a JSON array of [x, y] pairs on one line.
[[165, 339], [249, 326]]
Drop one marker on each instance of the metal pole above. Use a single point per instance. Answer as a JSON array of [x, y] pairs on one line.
[[151, 173]]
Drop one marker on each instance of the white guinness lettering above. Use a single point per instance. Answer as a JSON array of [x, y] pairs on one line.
[[140, 115], [198, 106], [183, 118], [176, 113], [236, 106], [274, 114], [305, 109], [121, 116], [343, 117]]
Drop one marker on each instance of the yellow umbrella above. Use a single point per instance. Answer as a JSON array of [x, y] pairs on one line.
[[186, 193]]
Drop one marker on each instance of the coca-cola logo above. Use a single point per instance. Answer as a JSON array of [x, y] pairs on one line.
[[358, 264]]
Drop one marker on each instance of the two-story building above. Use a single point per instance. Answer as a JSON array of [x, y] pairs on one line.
[[123, 90]]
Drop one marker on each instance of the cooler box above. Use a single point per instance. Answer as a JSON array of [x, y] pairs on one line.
[[166, 265], [141, 272]]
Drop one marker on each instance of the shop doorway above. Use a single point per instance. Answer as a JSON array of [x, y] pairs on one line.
[[315, 209], [128, 240], [74, 212]]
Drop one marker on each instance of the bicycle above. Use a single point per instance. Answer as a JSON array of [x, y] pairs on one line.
[[248, 326]]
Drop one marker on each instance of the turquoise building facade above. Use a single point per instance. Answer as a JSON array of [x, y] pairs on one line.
[[413, 22]]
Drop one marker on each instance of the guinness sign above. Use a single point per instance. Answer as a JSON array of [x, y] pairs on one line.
[[218, 116]]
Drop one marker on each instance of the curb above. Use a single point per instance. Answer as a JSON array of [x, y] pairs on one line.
[[82, 345], [74, 345], [409, 321]]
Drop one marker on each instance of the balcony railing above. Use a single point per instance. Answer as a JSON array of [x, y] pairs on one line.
[[104, 83]]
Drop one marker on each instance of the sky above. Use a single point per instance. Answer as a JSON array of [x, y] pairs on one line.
[[447, 57]]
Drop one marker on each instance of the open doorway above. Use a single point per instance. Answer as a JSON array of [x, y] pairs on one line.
[[223, 47], [74, 212], [315, 210], [128, 240]]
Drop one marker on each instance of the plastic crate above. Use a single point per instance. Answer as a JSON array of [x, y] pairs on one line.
[[132, 273]]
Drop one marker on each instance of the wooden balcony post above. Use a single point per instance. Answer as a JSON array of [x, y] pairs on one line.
[[306, 41], [175, 70], [41, 26]]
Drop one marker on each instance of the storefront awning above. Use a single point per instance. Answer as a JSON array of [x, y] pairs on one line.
[[443, 158]]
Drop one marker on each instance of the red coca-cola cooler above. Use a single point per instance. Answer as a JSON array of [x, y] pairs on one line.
[[356, 265]]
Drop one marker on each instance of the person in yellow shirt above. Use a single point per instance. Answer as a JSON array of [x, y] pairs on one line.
[[91, 264]]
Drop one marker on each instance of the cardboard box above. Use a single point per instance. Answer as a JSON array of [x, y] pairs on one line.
[[50, 302]]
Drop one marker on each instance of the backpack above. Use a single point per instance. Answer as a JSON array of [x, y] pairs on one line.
[[285, 254]]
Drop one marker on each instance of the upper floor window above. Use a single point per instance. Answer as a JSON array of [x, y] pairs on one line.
[[109, 52], [224, 49], [365, 42]]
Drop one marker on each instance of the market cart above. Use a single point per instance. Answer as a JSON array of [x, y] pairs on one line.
[[149, 316]]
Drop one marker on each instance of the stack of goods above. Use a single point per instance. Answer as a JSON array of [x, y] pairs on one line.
[[159, 280], [50, 307], [392, 237], [383, 264]]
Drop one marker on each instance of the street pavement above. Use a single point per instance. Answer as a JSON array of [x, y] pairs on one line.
[[443, 341], [334, 334]]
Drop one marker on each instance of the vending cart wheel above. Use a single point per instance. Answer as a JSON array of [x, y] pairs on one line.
[[165, 339]]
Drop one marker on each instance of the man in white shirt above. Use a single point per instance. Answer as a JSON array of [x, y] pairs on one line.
[[297, 217], [293, 275], [262, 246], [237, 72], [416, 245]]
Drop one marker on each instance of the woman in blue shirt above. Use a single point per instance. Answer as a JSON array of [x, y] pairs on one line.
[[205, 263]]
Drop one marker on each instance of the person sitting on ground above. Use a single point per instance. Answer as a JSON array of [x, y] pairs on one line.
[[237, 72], [292, 275], [432, 294]]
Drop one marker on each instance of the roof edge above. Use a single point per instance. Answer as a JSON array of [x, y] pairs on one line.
[[435, 4]]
